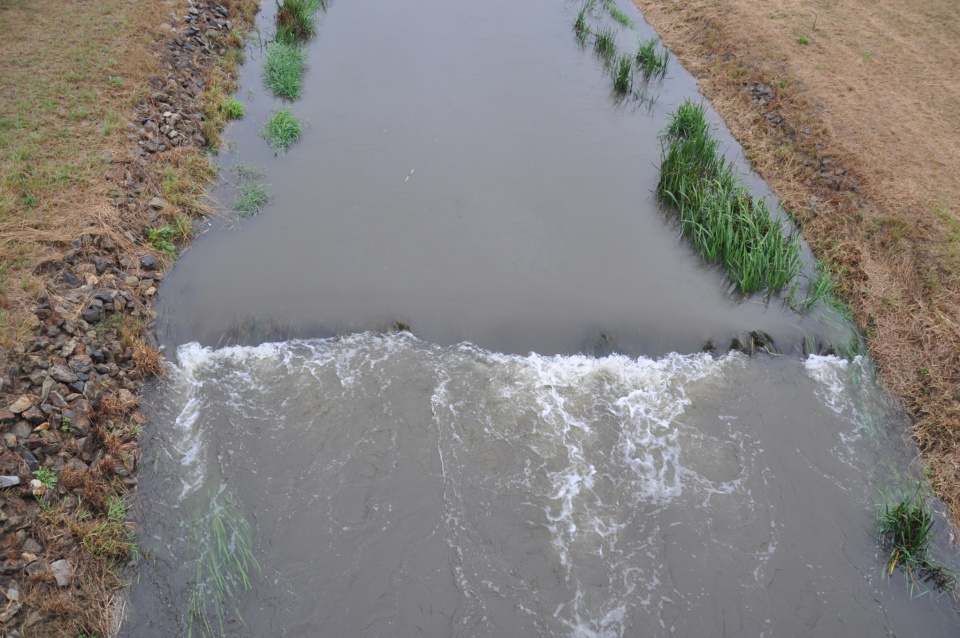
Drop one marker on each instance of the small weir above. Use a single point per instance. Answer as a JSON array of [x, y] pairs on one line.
[[450, 380]]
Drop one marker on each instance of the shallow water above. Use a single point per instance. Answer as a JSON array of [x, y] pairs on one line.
[[467, 173]]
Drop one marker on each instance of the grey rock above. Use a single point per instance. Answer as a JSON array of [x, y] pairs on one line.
[[148, 262], [93, 314], [61, 572], [9, 481], [63, 374]]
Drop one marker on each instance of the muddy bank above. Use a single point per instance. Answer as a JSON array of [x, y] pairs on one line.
[[70, 410]]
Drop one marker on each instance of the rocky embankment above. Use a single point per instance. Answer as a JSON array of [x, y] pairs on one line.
[[69, 407]]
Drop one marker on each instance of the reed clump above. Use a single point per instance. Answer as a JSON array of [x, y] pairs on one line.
[[652, 58], [905, 530], [282, 130], [716, 212], [283, 68], [605, 43], [224, 566]]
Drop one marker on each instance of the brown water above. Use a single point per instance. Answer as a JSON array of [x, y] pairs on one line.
[[401, 485], [529, 222]]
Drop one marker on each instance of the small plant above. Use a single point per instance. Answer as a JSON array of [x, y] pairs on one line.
[[47, 476], [115, 81], [160, 238], [282, 130], [250, 198], [904, 531], [225, 564], [652, 59], [617, 14], [108, 537], [295, 18], [623, 75], [605, 43], [233, 108], [802, 39], [283, 68], [580, 25]]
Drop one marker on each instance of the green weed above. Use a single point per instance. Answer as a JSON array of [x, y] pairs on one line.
[[47, 476], [580, 25], [161, 239], [652, 59], [905, 529], [225, 563], [283, 68], [295, 18], [617, 14], [282, 130], [605, 43], [250, 198], [726, 225], [802, 39], [623, 75], [111, 537], [688, 121], [233, 108]]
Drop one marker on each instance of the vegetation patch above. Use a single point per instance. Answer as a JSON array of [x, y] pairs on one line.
[[618, 14], [284, 67], [232, 108], [725, 223], [282, 130], [224, 566], [623, 75], [250, 198], [905, 530], [652, 58], [605, 43], [295, 18]]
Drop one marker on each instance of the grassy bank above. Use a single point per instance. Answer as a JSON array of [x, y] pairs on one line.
[[851, 114], [108, 113]]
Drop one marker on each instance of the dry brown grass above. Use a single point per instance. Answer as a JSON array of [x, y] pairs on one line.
[[71, 73], [875, 94]]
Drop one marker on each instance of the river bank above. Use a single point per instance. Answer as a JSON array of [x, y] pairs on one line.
[[846, 112], [93, 213]]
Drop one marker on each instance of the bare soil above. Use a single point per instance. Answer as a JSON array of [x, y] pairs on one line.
[[851, 111]]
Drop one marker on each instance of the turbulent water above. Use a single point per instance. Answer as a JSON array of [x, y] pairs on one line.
[[399, 488]]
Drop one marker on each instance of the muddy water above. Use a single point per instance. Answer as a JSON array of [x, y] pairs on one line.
[[399, 488], [467, 172]]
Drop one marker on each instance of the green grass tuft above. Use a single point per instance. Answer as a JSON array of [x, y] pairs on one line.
[[689, 120], [250, 198], [233, 108], [905, 530], [580, 25], [284, 67], [282, 130], [295, 17], [652, 59], [617, 14], [605, 43], [623, 75], [225, 564], [726, 225]]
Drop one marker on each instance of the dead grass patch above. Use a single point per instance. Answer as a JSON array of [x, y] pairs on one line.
[[859, 137]]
